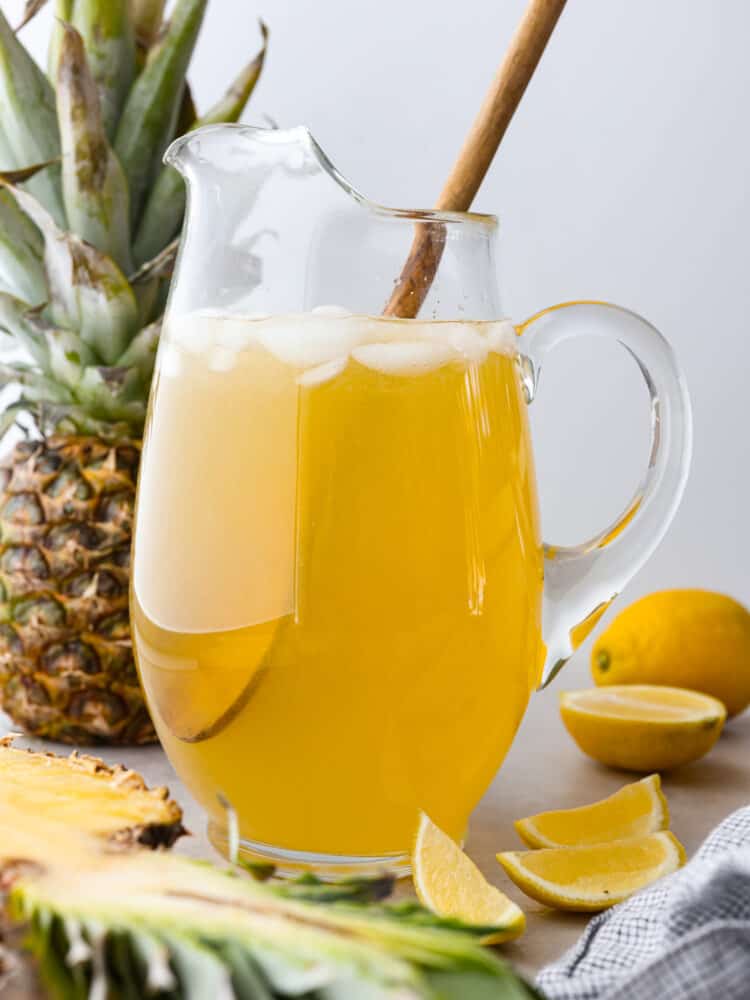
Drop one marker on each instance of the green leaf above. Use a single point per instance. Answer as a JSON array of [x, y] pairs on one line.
[[149, 305], [94, 187], [160, 266], [25, 173], [151, 109], [215, 925], [141, 352], [73, 418], [37, 387], [107, 31], [9, 417], [147, 17], [28, 120], [153, 957], [165, 207], [21, 253], [246, 980], [88, 292], [232, 104], [162, 298], [261, 871], [17, 319], [63, 13], [352, 890], [67, 356], [121, 957], [162, 216], [202, 975], [188, 114], [112, 393], [30, 10]]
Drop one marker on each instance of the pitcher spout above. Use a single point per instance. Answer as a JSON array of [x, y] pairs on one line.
[[236, 147], [268, 215]]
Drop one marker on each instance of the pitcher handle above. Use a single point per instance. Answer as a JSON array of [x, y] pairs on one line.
[[582, 581]]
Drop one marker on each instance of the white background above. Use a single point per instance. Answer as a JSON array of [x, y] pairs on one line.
[[624, 176]]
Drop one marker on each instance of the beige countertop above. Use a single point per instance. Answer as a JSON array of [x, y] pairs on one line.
[[544, 770]]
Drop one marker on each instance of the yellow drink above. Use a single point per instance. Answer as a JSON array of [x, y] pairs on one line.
[[338, 572]]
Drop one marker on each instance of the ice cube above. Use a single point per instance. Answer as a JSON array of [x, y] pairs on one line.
[[322, 373], [195, 333], [400, 330], [235, 334], [405, 357], [335, 311], [306, 341], [464, 338], [502, 337]]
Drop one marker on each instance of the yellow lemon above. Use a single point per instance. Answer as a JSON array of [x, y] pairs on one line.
[[682, 638], [596, 876], [450, 884], [642, 727], [634, 811]]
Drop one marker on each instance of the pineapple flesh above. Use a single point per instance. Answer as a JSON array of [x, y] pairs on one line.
[[84, 795], [104, 917], [88, 220], [75, 807]]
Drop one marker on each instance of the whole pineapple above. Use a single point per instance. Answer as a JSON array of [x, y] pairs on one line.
[[88, 221]]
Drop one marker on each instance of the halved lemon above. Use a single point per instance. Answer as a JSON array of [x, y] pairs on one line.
[[642, 727], [594, 877], [634, 811], [450, 884]]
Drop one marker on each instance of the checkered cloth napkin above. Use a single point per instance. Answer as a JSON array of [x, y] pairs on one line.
[[687, 937]]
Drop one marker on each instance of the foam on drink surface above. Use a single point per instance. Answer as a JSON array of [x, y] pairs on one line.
[[404, 357], [321, 343]]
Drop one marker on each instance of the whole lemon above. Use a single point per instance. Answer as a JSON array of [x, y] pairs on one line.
[[682, 638]]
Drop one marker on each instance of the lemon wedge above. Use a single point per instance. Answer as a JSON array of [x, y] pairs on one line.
[[450, 884], [634, 811], [594, 877], [642, 727]]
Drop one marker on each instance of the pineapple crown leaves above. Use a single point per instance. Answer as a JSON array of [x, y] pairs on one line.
[[31, 9], [167, 199], [164, 925], [88, 215]]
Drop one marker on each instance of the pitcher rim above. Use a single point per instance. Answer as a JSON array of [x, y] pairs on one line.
[[301, 134]]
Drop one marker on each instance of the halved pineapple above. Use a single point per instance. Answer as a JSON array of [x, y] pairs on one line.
[[85, 795], [141, 924], [113, 919]]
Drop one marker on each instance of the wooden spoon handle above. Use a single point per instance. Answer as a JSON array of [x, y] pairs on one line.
[[499, 105], [476, 155]]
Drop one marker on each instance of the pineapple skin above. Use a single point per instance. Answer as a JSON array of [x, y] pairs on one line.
[[67, 671], [118, 808]]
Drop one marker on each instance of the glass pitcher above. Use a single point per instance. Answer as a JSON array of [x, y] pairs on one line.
[[341, 598]]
